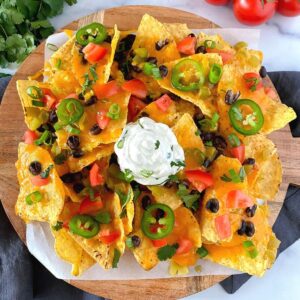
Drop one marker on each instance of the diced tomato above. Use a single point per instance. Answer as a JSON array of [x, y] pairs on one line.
[[39, 181], [238, 199], [187, 45], [239, 152], [93, 52], [253, 81], [200, 179], [106, 90], [95, 177], [134, 107], [226, 56], [223, 226], [136, 87], [159, 243], [102, 119], [163, 102], [108, 237], [66, 225], [29, 137], [87, 206], [185, 246], [49, 98], [270, 92]]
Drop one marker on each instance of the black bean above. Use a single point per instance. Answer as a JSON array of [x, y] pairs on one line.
[[231, 97], [67, 178], [136, 241], [152, 60], [250, 229], [91, 101], [77, 176], [198, 116], [250, 211], [35, 168], [144, 114], [207, 136], [249, 161], [169, 184], [219, 143], [212, 205], [159, 214], [73, 142], [80, 96], [163, 70], [263, 72], [137, 69], [113, 159], [201, 49], [41, 128], [242, 229], [146, 201], [87, 168], [174, 97], [108, 39], [125, 68], [192, 35], [50, 128], [77, 153], [95, 129], [160, 44], [148, 99], [78, 187], [53, 116], [126, 43], [83, 60]]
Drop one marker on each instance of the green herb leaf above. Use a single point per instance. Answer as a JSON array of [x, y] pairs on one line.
[[136, 193], [157, 143], [57, 226], [93, 72], [202, 252], [177, 163], [103, 217], [61, 157], [45, 173], [124, 199], [248, 244], [167, 252], [234, 140], [128, 242], [233, 176], [146, 173], [117, 255]]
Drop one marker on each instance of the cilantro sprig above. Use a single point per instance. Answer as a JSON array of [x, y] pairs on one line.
[[167, 252], [189, 200], [234, 176]]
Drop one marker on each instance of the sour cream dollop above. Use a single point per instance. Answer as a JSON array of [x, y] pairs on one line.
[[149, 151]]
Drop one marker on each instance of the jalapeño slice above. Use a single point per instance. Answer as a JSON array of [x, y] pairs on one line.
[[157, 228], [69, 111], [84, 226], [187, 75], [248, 123], [93, 33]]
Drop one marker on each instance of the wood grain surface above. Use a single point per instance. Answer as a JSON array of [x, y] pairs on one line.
[[12, 128]]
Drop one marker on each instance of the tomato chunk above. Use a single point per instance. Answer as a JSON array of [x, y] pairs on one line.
[[136, 87], [49, 98], [95, 177], [134, 107], [88, 206], [200, 179], [159, 243], [239, 152], [29, 137], [108, 237], [39, 181], [226, 56], [185, 245], [163, 102], [253, 81], [223, 227], [93, 52], [238, 199], [187, 45], [106, 90], [102, 119]]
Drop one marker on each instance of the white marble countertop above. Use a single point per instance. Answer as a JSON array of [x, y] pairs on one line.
[[280, 42]]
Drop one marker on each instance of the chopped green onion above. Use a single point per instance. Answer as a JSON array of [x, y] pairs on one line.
[[38, 103], [34, 92], [151, 70], [57, 126], [45, 135], [120, 144], [146, 173], [58, 64], [202, 252], [94, 73], [215, 73], [248, 244], [72, 129], [210, 44], [128, 242], [34, 197], [117, 255], [127, 175], [52, 47], [253, 253], [114, 111], [234, 140]]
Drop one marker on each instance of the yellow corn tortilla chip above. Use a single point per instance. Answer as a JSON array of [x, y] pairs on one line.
[[107, 136], [51, 205], [151, 31], [178, 30], [68, 250], [102, 67], [221, 44], [207, 104], [266, 180], [102, 253], [165, 195]]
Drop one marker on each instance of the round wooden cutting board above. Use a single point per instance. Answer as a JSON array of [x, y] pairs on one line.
[[12, 128]]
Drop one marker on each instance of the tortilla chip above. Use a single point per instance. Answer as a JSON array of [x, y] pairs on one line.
[[165, 195], [207, 105], [266, 177], [178, 30], [221, 44], [109, 135], [51, 205], [68, 250], [151, 31]]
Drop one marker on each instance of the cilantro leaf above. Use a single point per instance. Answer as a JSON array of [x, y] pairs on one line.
[[177, 163], [157, 143], [124, 199], [57, 226], [167, 252], [117, 255]]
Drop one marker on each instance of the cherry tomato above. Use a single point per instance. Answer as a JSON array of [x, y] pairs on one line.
[[239, 152], [106, 90], [134, 107], [289, 8], [108, 237], [187, 45], [102, 119], [87, 206], [223, 227], [95, 177], [136, 87], [29, 137], [159, 243], [39, 181], [254, 12], [93, 52], [185, 246], [163, 102], [253, 81], [200, 179], [238, 199], [217, 2]]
